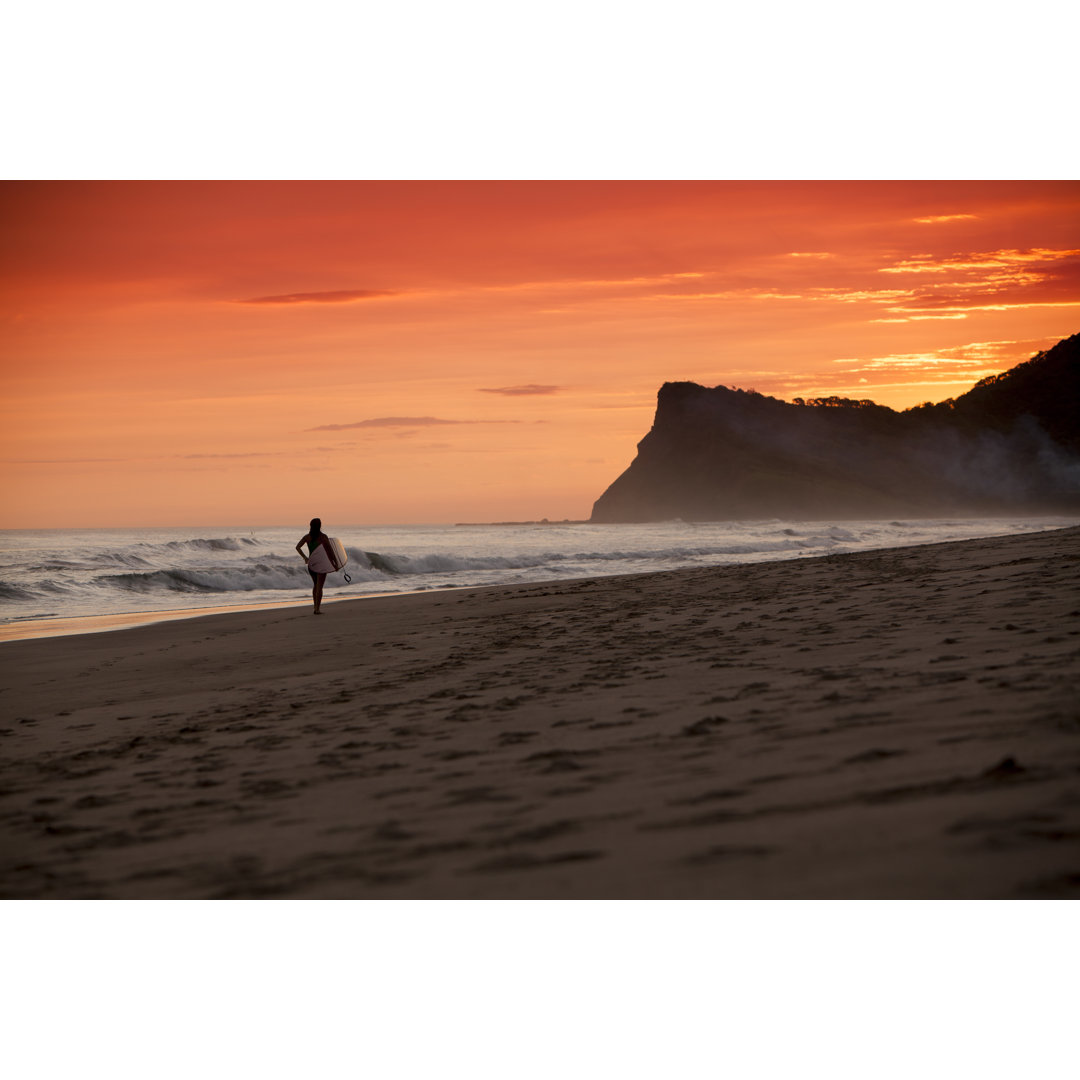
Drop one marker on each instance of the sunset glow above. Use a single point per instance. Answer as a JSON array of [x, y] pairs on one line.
[[259, 353]]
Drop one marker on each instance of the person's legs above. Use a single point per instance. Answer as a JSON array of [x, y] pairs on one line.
[[316, 592]]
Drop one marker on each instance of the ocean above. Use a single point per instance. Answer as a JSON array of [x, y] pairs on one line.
[[70, 573]]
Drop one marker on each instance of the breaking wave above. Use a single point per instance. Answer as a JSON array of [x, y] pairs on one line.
[[225, 543], [435, 563], [91, 573], [212, 580]]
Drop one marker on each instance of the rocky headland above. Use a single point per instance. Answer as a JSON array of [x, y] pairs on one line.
[[1011, 444]]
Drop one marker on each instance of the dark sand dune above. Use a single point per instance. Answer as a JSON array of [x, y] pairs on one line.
[[901, 723]]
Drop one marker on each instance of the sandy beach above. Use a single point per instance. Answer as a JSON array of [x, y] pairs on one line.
[[891, 724]]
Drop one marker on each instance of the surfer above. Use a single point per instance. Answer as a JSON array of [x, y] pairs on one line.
[[315, 536]]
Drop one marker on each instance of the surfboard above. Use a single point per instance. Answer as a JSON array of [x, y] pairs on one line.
[[328, 557]]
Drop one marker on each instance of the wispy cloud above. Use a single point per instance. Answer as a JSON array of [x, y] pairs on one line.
[[857, 296], [921, 317], [987, 281], [217, 457], [1004, 259], [942, 219], [339, 296], [527, 390], [391, 422], [940, 372], [753, 293], [408, 422], [938, 287], [973, 361], [64, 461], [928, 360]]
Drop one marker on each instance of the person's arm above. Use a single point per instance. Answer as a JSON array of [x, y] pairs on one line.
[[300, 548]]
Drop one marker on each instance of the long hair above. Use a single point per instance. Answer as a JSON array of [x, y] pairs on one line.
[[315, 528]]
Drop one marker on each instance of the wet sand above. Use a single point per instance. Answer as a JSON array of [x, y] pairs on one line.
[[25, 629], [893, 724]]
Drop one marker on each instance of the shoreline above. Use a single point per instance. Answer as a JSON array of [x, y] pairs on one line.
[[35, 628], [894, 723], [32, 627], [80, 625]]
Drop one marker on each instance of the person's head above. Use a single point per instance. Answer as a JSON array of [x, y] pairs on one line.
[[315, 529]]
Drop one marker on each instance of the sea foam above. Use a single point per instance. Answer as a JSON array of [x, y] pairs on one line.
[[94, 572]]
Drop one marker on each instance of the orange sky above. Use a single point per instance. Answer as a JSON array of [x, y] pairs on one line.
[[258, 353]]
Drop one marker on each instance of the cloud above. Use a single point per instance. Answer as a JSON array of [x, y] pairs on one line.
[[920, 318], [65, 461], [1003, 259], [340, 296], [411, 422], [923, 287], [726, 294], [391, 422], [952, 370], [988, 281], [975, 360], [855, 296], [521, 391], [215, 457], [941, 219]]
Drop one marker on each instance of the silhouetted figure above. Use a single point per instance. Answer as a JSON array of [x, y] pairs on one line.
[[314, 538]]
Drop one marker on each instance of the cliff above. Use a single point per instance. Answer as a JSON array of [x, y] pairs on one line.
[[1010, 444]]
